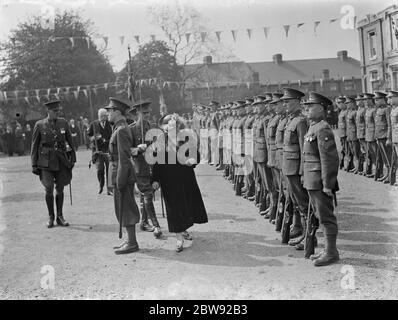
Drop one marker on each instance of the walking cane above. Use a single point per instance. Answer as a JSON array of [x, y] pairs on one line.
[[161, 201], [70, 192]]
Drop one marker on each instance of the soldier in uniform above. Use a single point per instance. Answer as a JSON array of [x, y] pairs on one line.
[[249, 191], [393, 134], [229, 173], [370, 129], [53, 157], [321, 164], [296, 128], [223, 115], [142, 168], [238, 151], [383, 127], [100, 132], [351, 131], [361, 126], [213, 131], [122, 174], [341, 129]]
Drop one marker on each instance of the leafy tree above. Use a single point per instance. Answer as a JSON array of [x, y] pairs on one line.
[[36, 57], [154, 61]]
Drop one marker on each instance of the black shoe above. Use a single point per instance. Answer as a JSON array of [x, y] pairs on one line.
[[187, 236], [50, 223], [326, 259], [120, 245], [127, 248], [61, 222], [295, 232], [100, 190], [157, 233], [370, 175]]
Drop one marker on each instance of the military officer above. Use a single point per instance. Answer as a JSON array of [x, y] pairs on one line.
[[229, 130], [123, 176], [142, 168], [341, 129], [393, 134], [100, 132], [213, 131], [370, 129], [53, 158], [249, 192], [383, 126], [351, 131], [296, 128], [321, 164], [361, 126], [239, 146]]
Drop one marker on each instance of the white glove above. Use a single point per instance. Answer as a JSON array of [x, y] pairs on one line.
[[142, 147]]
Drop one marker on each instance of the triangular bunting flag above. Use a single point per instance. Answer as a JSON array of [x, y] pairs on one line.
[[56, 96], [58, 90], [249, 33], [218, 34], [137, 38], [121, 38], [299, 25], [299, 83], [187, 35], [153, 37], [72, 42], [286, 27], [203, 36], [67, 89], [248, 85], [266, 31], [76, 94], [37, 92], [85, 93], [95, 90], [78, 88], [106, 85], [321, 82], [316, 23], [27, 100], [88, 42], [234, 34], [332, 20], [48, 91]]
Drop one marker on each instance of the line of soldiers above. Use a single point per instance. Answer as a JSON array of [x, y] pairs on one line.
[[368, 131], [280, 157]]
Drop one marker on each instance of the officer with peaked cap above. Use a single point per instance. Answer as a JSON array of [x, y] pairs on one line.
[[351, 131], [321, 164], [370, 128], [213, 132], [53, 158], [123, 176], [361, 126], [393, 134], [296, 128], [383, 127], [139, 130]]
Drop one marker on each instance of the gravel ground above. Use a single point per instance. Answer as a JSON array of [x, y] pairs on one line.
[[237, 255]]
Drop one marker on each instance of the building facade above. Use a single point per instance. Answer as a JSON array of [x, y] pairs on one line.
[[378, 39], [229, 81]]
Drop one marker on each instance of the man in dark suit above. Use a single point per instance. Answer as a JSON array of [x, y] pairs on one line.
[[100, 132], [53, 157], [321, 165]]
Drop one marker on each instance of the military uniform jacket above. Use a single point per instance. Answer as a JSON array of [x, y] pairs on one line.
[[394, 125], [214, 121], [49, 141], [280, 131], [351, 129], [370, 124], [382, 122], [321, 159], [260, 145], [270, 138], [293, 142], [122, 170], [360, 123], [342, 124], [142, 168], [106, 132], [241, 131]]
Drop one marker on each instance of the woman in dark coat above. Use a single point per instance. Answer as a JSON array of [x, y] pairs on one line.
[[182, 196]]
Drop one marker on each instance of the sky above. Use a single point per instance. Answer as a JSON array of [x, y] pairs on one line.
[[115, 18]]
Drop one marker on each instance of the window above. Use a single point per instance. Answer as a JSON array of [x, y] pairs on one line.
[[395, 80], [374, 75], [348, 85], [372, 44]]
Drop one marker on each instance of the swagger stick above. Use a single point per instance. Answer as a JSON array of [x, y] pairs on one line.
[[70, 192], [161, 201]]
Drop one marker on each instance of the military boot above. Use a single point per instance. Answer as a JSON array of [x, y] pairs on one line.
[[330, 255], [294, 241], [131, 245], [50, 208], [59, 201]]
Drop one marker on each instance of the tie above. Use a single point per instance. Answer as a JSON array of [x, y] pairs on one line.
[[103, 124]]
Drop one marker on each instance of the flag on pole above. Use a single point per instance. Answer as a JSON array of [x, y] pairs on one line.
[[266, 32], [234, 34], [316, 24], [203, 36], [105, 41], [187, 35], [249, 33], [218, 34], [286, 27], [137, 38]]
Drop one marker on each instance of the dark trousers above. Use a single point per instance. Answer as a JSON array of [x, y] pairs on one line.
[[146, 199], [323, 205], [363, 161], [354, 152], [102, 165], [298, 194], [371, 150], [394, 163], [383, 157]]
